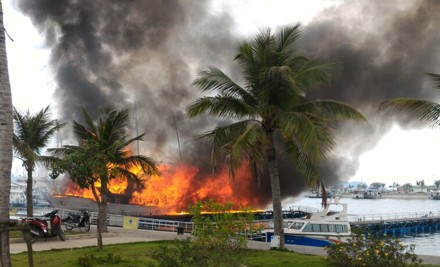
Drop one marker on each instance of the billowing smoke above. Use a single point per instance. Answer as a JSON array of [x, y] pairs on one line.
[[144, 55], [384, 48]]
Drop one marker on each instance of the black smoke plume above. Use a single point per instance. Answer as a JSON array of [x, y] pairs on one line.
[[144, 55]]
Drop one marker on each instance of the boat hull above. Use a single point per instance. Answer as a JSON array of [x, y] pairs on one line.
[[304, 240]]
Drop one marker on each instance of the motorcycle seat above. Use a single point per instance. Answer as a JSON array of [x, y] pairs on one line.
[[75, 217]]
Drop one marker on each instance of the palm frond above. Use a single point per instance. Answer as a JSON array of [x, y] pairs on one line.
[[422, 110], [303, 163], [248, 146], [435, 78], [221, 106], [331, 110], [311, 74], [214, 79], [313, 134], [287, 37]]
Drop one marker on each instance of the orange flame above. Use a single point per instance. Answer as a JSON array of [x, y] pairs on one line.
[[181, 185]]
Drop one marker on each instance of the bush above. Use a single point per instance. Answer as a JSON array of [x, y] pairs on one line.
[[89, 261], [369, 250], [219, 238], [182, 254]]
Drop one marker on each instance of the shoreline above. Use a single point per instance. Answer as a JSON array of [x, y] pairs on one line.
[[418, 195]]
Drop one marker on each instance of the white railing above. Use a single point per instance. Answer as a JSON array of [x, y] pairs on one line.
[[393, 216]]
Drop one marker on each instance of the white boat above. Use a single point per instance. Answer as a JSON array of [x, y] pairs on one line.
[[358, 194], [434, 194], [367, 194], [318, 194], [372, 194], [319, 229]]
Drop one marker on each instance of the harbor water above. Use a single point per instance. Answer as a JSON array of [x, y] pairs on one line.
[[425, 244]]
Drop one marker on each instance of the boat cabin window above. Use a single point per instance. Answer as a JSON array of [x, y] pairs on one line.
[[296, 225], [324, 228], [293, 225]]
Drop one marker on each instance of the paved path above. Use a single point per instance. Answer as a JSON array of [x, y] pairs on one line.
[[119, 235]]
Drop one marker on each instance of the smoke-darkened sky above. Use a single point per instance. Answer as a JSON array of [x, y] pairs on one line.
[[144, 55]]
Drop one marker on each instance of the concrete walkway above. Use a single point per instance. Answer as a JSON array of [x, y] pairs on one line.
[[119, 235]]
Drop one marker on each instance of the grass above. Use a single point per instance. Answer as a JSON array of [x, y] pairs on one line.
[[140, 254]]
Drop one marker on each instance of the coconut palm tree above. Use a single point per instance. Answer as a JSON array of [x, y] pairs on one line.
[[6, 132], [272, 103], [32, 133], [101, 155]]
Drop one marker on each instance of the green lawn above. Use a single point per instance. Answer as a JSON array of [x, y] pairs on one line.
[[140, 254]]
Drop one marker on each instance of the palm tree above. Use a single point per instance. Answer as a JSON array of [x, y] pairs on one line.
[[271, 104], [102, 156], [6, 132], [32, 133]]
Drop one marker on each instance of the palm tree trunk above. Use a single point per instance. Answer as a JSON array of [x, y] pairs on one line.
[[99, 226], [6, 133], [102, 213], [103, 208], [29, 189], [276, 190]]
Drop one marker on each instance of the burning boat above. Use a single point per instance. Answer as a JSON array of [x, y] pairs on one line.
[[170, 193]]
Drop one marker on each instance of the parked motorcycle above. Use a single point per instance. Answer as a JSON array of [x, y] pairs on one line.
[[39, 228], [80, 221]]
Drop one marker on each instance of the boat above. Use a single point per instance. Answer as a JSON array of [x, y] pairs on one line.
[[372, 194], [434, 194], [367, 194], [319, 229], [358, 194], [318, 194]]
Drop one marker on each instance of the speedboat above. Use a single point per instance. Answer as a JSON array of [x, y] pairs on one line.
[[318, 229], [434, 194]]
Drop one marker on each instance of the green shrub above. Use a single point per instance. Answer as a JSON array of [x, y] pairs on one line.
[[369, 250], [215, 226], [89, 261], [219, 238], [182, 253]]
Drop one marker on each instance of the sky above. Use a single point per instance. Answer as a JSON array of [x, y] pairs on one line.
[[385, 47]]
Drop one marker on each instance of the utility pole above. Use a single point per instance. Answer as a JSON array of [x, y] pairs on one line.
[[178, 139]]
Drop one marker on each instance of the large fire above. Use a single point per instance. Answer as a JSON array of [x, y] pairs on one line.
[[180, 185]]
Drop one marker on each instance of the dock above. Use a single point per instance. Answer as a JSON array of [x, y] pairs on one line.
[[398, 224]]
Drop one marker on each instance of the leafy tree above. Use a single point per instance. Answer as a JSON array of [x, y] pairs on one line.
[[407, 187], [6, 133], [362, 186], [32, 133], [377, 185], [437, 184], [101, 156], [272, 104], [421, 183]]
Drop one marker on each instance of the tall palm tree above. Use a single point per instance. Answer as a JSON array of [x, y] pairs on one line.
[[272, 103], [6, 132], [32, 133], [102, 155], [423, 110]]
